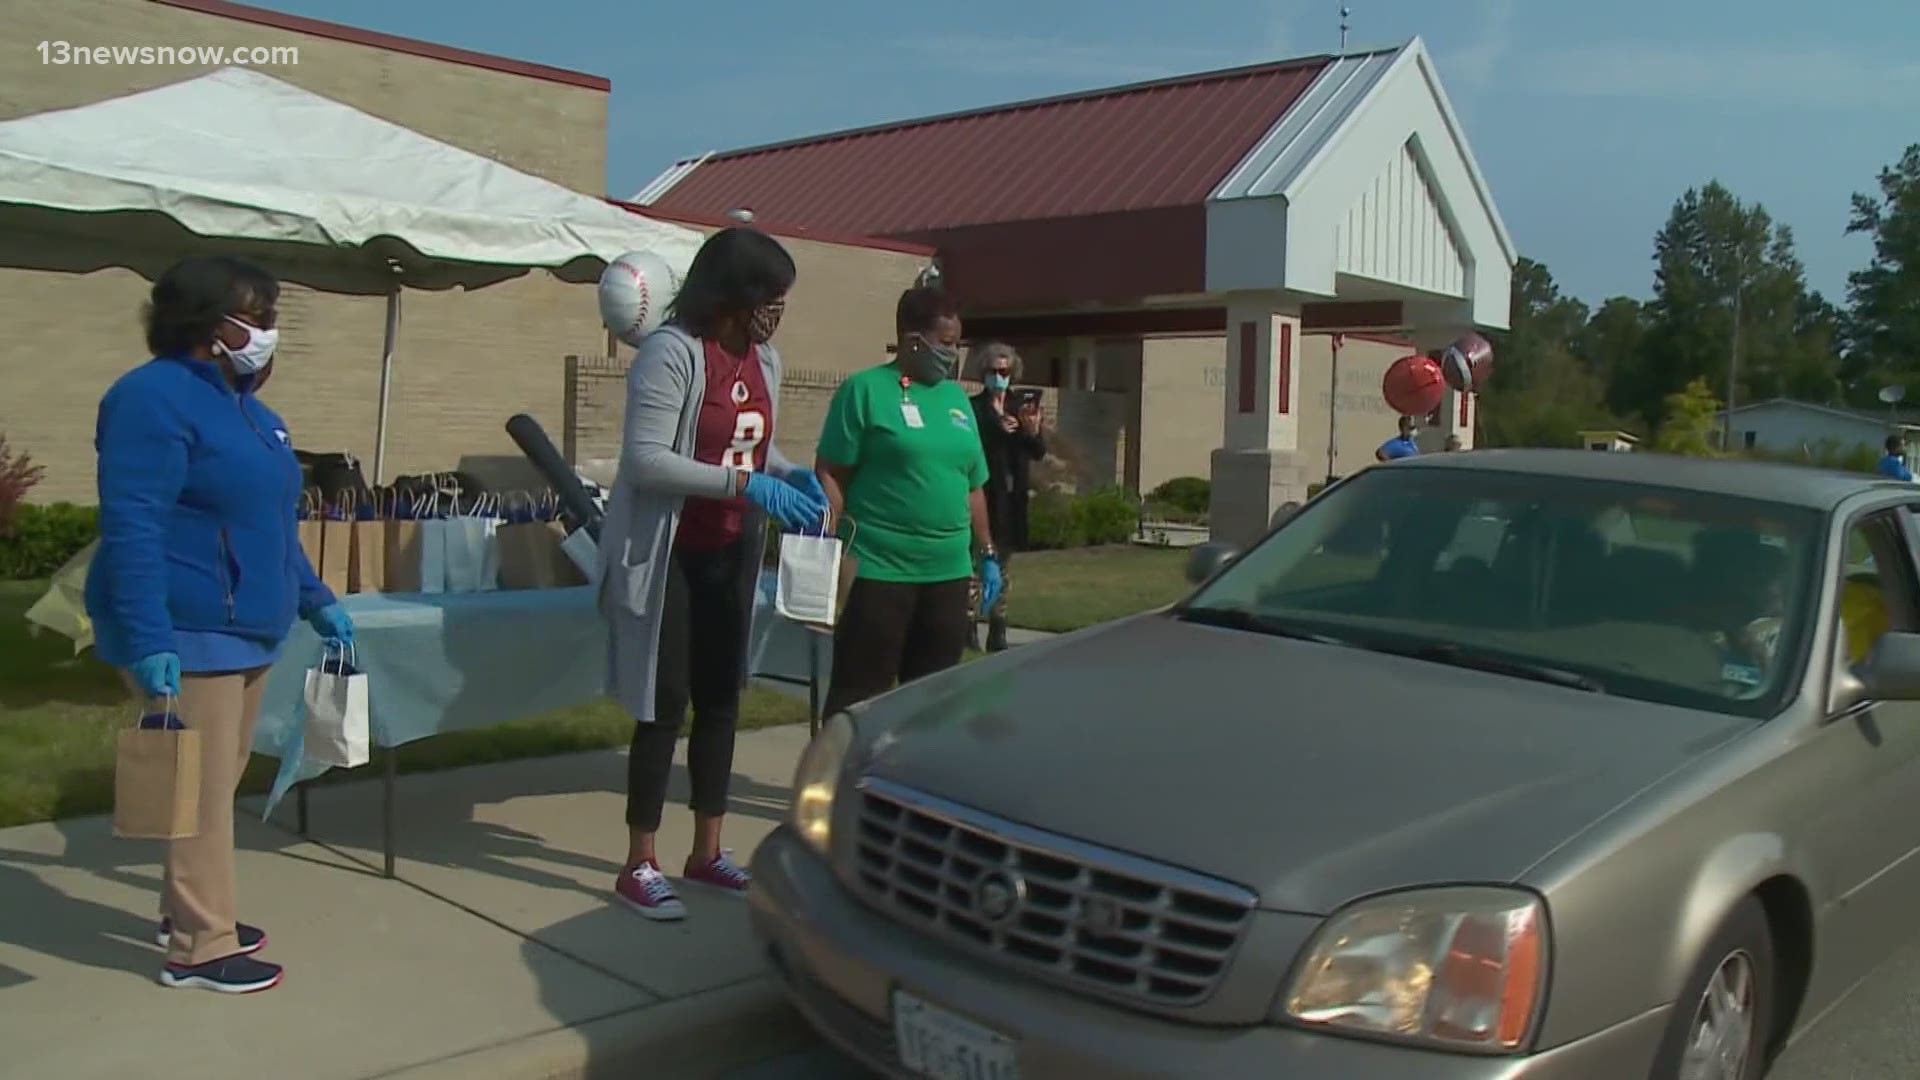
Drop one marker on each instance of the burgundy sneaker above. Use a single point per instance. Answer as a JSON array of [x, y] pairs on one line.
[[647, 891], [722, 873]]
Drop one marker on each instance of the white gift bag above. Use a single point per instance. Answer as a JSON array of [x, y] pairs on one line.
[[433, 546], [582, 550], [472, 548], [338, 727], [807, 589]]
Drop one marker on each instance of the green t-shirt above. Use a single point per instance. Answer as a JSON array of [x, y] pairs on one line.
[[916, 458]]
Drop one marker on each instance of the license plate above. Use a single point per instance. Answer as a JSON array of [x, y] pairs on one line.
[[936, 1044]]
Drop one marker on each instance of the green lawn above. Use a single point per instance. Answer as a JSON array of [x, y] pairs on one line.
[[58, 715], [1067, 590]]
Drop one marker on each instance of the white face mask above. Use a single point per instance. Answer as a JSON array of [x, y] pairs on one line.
[[248, 359]]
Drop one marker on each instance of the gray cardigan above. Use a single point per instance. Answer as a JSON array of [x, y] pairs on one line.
[[666, 385]]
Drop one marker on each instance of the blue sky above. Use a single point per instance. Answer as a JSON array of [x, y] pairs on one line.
[[1588, 118]]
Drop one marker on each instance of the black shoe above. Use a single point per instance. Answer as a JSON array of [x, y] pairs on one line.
[[997, 636], [238, 974]]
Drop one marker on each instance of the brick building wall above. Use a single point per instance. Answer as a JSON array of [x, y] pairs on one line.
[[539, 125], [71, 291]]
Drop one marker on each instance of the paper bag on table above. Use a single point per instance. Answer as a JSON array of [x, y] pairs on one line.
[[156, 780], [338, 730], [471, 549], [532, 556], [404, 548], [312, 528]]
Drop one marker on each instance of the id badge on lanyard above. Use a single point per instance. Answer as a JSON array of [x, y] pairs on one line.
[[909, 412]]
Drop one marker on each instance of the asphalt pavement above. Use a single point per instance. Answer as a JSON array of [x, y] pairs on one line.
[[1873, 1035]]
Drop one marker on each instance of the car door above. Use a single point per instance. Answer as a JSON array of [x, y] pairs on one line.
[[1868, 834]]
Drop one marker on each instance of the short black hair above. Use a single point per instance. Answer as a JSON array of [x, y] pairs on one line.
[[922, 306], [734, 272], [1895, 443], [194, 296]]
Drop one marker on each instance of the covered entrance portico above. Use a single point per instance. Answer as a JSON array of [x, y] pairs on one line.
[[1226, 221]]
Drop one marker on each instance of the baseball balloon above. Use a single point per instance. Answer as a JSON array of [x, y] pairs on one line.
[[1414, 385], [1467, 363], [634, 292]]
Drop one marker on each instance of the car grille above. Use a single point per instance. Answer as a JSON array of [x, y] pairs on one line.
[[1097, 920]]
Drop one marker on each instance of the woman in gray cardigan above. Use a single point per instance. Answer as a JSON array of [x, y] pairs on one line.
[[681, 548]]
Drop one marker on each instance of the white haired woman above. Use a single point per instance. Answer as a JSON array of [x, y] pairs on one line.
[[1009, 423]]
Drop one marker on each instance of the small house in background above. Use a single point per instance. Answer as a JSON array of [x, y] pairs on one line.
[[1618, 442], [1786, 426]]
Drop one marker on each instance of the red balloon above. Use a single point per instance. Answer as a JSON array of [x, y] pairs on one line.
[[1414, 385]]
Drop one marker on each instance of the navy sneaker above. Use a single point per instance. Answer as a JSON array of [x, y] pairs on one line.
[[237, 974], [252, 938]]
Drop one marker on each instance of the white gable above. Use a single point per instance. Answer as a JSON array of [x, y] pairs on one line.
[[1366, 187], [1396, 232]]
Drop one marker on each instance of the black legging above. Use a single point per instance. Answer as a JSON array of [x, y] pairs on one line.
[[701, 662]]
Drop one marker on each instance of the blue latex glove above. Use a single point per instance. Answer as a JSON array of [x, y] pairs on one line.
[[993, 582], [808, 482], [332, 622], [158, 675], [795, 509]]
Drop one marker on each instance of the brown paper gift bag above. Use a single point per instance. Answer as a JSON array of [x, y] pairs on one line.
[[336, 546], [531, 557], [312, 528], [156, 784], [367, 550], [402, 541]]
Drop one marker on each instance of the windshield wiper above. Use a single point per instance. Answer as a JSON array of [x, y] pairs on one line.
[[1455, 656], [1256, 623]]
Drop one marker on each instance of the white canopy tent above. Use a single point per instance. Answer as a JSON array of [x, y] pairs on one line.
[[239, 156]]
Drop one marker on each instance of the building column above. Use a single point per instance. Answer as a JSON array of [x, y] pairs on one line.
[[1258, 469], [1458, 415]]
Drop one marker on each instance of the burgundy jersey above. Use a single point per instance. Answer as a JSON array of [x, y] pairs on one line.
[[735, 429]]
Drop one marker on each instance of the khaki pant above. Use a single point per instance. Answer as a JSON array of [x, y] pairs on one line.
[[199, 891]]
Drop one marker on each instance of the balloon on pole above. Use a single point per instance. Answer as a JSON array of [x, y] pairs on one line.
[[1414, 385], [635, 290]]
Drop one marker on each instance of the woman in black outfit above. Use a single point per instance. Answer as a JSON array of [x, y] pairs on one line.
[[1010, 432]]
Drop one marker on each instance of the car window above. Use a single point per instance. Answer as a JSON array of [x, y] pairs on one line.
[[1679, 597], [1875, 584]]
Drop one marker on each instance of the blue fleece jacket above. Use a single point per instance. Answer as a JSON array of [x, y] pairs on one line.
[[199, 507]]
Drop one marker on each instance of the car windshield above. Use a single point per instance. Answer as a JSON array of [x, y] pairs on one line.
[[1677, 597]]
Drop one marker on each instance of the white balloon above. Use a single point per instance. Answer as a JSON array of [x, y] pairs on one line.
[[635, 290]]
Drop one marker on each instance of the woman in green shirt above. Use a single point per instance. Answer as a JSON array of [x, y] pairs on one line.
[[902, 464]]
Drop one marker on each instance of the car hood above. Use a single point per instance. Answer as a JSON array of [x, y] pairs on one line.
[[1313, 774]]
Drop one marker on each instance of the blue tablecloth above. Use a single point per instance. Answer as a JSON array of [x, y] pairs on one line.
[[456, 662]]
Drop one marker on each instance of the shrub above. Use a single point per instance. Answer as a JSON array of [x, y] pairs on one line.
[[1108, 516], [1188, 495], [1050, 522], [43, 538], [18, 475]]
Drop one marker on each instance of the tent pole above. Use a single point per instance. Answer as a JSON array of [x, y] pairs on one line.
[[386, 386]]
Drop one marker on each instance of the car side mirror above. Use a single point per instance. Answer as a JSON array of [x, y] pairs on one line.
[[1891, 672], [1207, 559]]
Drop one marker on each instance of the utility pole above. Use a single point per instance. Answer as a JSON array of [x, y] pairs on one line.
[[1345, 12], [1733, 353]]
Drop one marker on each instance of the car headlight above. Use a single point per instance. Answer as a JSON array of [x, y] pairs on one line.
[[817, 780], [1462, 968]]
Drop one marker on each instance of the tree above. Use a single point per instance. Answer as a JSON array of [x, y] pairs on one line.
[[1540, 395], [1882, 325], [1611, 341], [1691, 421], [1727, 279]]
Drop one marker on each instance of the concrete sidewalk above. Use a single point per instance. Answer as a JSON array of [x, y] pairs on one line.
[[496, 954]]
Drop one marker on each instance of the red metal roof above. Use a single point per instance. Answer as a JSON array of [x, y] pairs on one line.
[[1151, 146]]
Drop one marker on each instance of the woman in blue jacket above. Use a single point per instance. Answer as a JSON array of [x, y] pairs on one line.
[[200, 575]]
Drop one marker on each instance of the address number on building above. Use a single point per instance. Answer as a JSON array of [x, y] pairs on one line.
[[936, 1044]]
